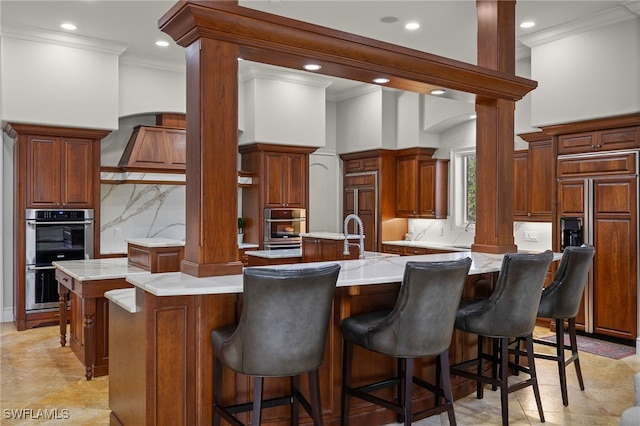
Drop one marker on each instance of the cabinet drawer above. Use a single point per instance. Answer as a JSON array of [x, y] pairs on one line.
[[64, 279], [415, 251], [361, 165], [623, 163], [576, 143], [392, 249]]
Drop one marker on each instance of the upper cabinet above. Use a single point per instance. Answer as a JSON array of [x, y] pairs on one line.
[[601, 140], [421, 184], [534, 179], [58, 167], [280, 178], [285, 179]]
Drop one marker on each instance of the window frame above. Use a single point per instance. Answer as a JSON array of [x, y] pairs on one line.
[[458, 191]]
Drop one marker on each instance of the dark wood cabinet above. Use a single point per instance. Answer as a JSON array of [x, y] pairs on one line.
[[601, 140], [54, 167], [421, 184], [369, 183], [286, 177], [61, 171], [402, 250], [534, 178], [601, 189], [326, 249], [611, 202], [280, 176]]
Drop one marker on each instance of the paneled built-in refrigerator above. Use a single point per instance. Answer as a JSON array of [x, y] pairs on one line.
[[361, 198], [600, 191]]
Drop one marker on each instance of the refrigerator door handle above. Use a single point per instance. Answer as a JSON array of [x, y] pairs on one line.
[[588, 238]]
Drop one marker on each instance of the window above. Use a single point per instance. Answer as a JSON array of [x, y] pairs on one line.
[[464, 187]]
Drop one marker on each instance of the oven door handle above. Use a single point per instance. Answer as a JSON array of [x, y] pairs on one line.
[[295, 219], [35, 222], [40, 268]]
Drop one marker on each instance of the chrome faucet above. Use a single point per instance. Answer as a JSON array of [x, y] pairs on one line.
[[466, 227], [360, 235]]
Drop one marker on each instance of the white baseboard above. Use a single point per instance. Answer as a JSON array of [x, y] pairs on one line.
[[7, 314]]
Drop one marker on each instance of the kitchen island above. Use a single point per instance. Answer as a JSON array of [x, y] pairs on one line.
[[84, 283], [161, 357]]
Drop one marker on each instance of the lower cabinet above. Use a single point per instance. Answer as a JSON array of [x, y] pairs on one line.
[[326, 249], [410, 251]]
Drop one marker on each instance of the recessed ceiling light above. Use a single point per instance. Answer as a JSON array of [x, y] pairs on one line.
[[68, 26], [381, 80], [312, 67], [527, 24], [412, 26], [162, 43], [438, 92], [389, 19]]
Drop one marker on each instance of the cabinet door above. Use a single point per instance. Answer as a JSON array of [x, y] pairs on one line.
[[427, 189], [43, 172], [310, 250], [520, 185], [615, 265], [295, 180], [626, 138], [77, 173], [406, 186], [274, 174], [540, 194]]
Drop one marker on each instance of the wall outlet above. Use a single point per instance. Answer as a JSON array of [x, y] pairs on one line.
[[117, 232], [531, 235], [441, 231]]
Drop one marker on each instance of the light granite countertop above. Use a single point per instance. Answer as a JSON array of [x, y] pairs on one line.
[[99, 269], [275, 254], [155, 242], [427, 244], [375, 270]]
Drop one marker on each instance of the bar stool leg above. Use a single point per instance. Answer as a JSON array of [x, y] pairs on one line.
[[347, 358], [574, 351], [408, 390], [534, 376], [314, 392], [442, 362], [504, 383], [295, 405], [217, 389], [562, 372], [479, 384], [258, 383]]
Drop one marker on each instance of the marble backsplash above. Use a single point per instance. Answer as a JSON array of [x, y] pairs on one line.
[[140, 211], [440, 231]]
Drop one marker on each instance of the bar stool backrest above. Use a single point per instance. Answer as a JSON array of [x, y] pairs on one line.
[[512, 308], [561, 299], [283, 325], [421, 322]]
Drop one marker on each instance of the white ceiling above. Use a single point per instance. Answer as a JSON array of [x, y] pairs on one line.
[[448, 28]]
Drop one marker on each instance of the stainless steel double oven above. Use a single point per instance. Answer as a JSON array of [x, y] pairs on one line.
[[282, 228], [53, 235]]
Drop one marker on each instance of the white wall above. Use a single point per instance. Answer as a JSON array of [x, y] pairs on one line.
[[359, 125], [284, 112], [146, 89], [589, 75], [58, 85]]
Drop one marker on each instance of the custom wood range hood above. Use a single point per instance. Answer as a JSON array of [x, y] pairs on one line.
[[160, 148]]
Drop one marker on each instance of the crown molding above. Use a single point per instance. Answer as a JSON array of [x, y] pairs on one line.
[[23, 32], [146, 62], [590, 23], [250, 71]]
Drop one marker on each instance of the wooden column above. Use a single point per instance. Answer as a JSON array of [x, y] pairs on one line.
[[495, 131], [212, 159]]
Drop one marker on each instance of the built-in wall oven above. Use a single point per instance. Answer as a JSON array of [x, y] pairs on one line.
[[53, 235], [282, 228]]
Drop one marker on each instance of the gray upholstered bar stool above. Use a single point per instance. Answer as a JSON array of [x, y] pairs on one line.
[[560, 301], [510, 312], [420, 325], [281, 332]]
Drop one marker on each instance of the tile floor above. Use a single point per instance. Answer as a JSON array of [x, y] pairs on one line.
[[40, 378]]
